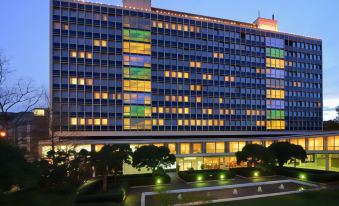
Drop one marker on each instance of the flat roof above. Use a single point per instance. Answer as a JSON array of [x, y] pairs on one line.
[[196, 17]]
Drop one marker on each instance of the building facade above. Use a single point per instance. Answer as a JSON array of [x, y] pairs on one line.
[[138, 72]]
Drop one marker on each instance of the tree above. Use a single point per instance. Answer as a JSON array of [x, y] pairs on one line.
[[80, 166], [337, 110], [22, 96], [254, 154], [110, 159], [285, 151], [14, 168], [331, 125], [152, 158]]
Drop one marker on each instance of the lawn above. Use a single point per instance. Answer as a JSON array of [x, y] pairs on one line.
[[323, 197]]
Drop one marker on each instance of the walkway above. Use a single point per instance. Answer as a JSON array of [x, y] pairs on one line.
[[134, 194]]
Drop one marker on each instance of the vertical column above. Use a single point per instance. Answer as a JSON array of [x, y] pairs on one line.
[[275, 85], [137, 85]]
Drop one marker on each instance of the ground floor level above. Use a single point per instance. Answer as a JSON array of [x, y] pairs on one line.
[[216, 151]]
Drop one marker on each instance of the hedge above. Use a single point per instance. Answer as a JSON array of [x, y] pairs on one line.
[[250, 171], [205, 175], [312, 175]]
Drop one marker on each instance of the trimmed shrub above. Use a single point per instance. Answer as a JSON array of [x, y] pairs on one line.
[[252, 171], [205, 175], [311, 175]]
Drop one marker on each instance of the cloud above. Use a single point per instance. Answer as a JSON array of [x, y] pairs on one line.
[[329, 108]]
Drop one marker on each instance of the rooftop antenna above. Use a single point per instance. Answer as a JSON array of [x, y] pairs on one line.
[[258, 13], [272, 16]]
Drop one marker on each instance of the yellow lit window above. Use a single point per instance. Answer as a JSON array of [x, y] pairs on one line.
[[104, 122], [186, 99], [97, 122], [96, 42], [160, 24], [104, 43], [82, 121], [89, 121], [299, 141], [154, 23], [198, 99], [198, 64], [236, 146], [82, 55], [89, 55], [161, 110], [186, 75], [81, 81], [186, 110], [192, 28], [180, 122], [185, 28], [166, 25], [185, 148], [315, 144], [275, 94], [275, 125], [73, 80], [73, 54], [179, 27], [192, 87], [104, 95], [173, 26], [192, 64], [179, 74], [96, 95], [172, 148], [167, 74], [74, 121]]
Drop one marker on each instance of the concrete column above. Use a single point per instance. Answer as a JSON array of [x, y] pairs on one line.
[[327, 162]]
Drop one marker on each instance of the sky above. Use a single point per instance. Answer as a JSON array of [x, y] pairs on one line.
[[24, 31]]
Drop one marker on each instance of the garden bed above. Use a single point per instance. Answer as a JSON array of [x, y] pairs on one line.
[[205, 175], [308, 174], [117, 187], [253, 172]]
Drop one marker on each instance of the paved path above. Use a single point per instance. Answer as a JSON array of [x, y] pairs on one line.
[[134, 194]]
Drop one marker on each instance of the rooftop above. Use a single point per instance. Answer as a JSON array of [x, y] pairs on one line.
[[198, 17]]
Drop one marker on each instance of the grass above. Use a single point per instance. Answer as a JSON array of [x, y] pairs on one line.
[[328, 197], [37, 198]]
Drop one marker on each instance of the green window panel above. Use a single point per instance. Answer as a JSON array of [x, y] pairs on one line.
[[275, 114], [276, 53], [137, 111], [137, 73], [137, 35]]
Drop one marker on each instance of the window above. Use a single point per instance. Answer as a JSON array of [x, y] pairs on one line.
[[275, 94], [137, 73], [172, 148], [275, 114], [73, 80], [185, 148], [137, 35], [275, 125], [236, 146], [299, 141], [137, 124], [333, 143], [74, 121], [197, 148], [137, 86], [275, 63], [137, 111], [137, 48], [315, 144], [275, 53]]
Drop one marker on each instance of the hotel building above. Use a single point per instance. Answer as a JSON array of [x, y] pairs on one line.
[[202, 86]]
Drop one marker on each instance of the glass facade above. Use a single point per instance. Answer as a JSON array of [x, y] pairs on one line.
[[117, 69]]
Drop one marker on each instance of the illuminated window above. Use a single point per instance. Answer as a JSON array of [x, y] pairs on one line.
[[96, 95], [275, 125], [39, 112], [268, 143], [89, 81], [299, 141], [104, 95], [82, 121], [137, 86], [97, 122], [73, 80], [89, 55], [275, 114], [104, 122], [137, 124], [275, 63], [81, 55], [275, 94], [333, 143], [137, 73], [197, 148], [96, 42], [315, 144], [81, 81], [172, 148], [137, 48], [185, 148], [89, 121], [73, 54], [137, 111], [236, 146], [137, 35], [74, 121]]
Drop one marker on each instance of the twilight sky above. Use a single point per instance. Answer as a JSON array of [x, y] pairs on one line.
[[24, 31]]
